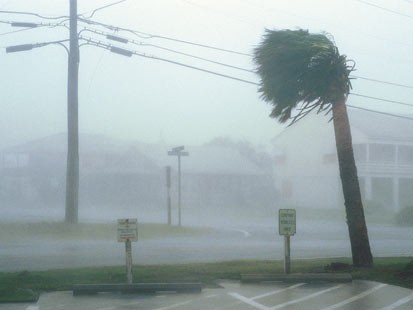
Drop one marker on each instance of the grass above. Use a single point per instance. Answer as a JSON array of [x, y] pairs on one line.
[[25, 286], [95, 231]]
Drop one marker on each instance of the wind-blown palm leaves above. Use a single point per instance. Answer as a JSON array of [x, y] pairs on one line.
[[301, 72]]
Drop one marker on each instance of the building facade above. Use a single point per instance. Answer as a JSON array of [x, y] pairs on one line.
[[306, 166]]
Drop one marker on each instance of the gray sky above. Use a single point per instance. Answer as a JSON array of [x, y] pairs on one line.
[[152, 101]]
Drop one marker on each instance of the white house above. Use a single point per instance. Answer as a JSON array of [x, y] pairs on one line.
[[306, 167]]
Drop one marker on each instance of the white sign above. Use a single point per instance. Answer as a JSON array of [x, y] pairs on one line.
[[127, 230], [286, 222]]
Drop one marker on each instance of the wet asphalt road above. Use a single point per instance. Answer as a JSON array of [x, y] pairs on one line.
[[313, 239]]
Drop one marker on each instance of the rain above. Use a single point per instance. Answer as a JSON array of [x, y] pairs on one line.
[[190, 81]]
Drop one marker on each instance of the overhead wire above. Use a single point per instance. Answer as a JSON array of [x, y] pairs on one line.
[[384, 9], [132, 52], [139, 43], [380, 112], [101, 8], [33, 14], [149, 36], [146, 35]]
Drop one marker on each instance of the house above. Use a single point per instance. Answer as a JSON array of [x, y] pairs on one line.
[[125, 174], [306, 168]]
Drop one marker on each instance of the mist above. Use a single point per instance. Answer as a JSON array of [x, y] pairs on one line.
[[242, 166]]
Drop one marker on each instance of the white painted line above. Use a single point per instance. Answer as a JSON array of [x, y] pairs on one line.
[[248, 301], [356, 297], [400, 302], [276, 292], [244, 232], [295, 301], [175, 305], [211, 296], [33, 308]]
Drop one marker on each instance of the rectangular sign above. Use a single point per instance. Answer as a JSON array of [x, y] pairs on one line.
[[127, 230], [286, 222]]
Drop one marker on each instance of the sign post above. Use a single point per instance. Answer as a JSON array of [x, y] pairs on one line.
[[168, 190], [287, 228], [179, 151], [127, 232]]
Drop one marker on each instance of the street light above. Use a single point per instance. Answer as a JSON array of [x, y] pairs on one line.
[[178, 151]]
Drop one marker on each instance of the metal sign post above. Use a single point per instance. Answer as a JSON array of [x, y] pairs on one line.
[[179, 151], [287, 228], [127, 232], [168, 198]]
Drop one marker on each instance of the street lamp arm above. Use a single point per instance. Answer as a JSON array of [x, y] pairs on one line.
[[28, 47]]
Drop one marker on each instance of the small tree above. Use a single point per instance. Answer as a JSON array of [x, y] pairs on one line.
[[301, 72]]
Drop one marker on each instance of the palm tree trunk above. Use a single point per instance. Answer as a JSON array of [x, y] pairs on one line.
[[360, 246]]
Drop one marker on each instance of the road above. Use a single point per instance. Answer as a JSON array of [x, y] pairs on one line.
[[258, 240]]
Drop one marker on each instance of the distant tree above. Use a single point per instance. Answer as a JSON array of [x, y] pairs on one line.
[[302, 72], [260, 158]]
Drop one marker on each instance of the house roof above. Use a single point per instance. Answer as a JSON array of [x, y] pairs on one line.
[[364, 124], [202, 159], [381, 126], [109, 155]]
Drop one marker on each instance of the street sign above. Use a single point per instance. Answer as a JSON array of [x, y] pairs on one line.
[[177, 153], [127, 230], [286, 222]]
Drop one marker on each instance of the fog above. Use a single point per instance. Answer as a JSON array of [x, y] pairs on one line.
[[133, 110], [153, 101]]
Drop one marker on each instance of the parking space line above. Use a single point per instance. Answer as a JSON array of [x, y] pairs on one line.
[[276, 292], [400, 302], [249, 301], [356, 297], [175, 305], [305, 297]]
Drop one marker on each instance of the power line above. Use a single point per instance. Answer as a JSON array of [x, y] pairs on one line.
[[146, 35], [385, 9], [382, 99], [33, 14], [131, 52], [379, 112], [382, 82], [149, 36], [103, 7], [126, 40]]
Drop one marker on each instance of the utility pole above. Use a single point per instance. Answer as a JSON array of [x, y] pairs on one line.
[[72, 172]]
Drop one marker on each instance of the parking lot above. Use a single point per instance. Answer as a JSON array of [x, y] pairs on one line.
[[233, 295]]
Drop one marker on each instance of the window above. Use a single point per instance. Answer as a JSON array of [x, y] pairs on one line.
[[382, 153], [360, 152], [406, 154]]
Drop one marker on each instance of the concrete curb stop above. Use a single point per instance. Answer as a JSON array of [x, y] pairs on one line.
[[90, 289]]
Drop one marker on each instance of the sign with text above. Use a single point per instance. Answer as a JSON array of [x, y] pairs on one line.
[[127, 230], [286, 222]]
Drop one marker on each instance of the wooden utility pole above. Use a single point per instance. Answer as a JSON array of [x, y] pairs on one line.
[[72, 172]]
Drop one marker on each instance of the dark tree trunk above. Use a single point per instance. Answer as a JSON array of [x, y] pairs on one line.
[[360, 246]]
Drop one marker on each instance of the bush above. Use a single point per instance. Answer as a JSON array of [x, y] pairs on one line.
[[405, 216]]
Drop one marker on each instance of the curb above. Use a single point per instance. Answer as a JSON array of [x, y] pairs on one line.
[[90, 289]]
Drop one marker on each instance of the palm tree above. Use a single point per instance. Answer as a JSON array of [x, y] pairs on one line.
[[302, 72]]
